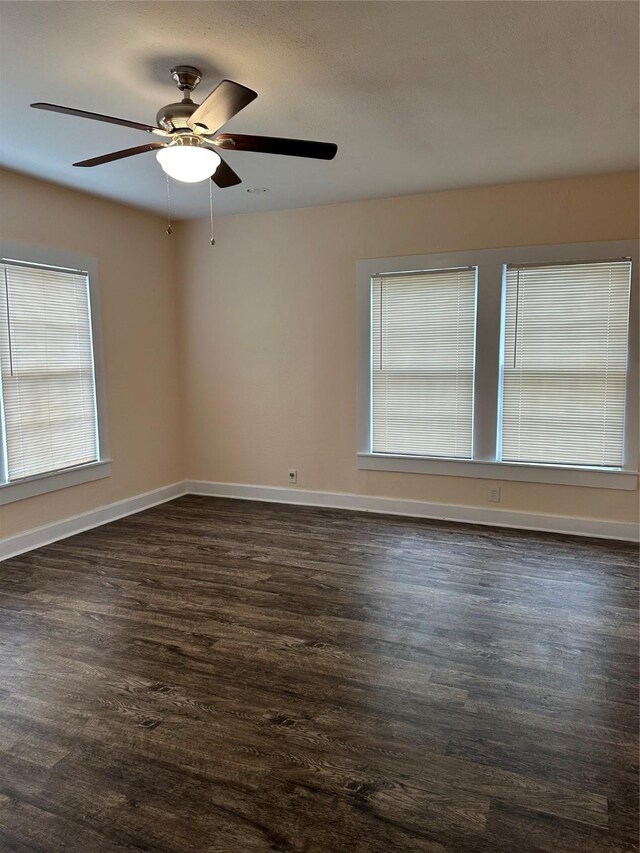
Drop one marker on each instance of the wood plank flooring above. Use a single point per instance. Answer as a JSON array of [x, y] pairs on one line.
[[217, 676]]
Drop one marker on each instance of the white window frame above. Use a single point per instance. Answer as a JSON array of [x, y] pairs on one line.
[[53, 480], [491, 265]]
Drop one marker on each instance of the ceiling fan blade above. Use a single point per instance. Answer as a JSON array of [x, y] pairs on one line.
[[119, 155], [226, 100], [224, 176], [71, 111], [277, 145]]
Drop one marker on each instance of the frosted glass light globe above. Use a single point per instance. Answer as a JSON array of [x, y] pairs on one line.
[[188, 163]]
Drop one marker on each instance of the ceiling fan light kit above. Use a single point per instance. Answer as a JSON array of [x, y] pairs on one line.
[[186, 160], [190, 153]]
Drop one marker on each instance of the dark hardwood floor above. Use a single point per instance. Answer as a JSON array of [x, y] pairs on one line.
[[216, 676]]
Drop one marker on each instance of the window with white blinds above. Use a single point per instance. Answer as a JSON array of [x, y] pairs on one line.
[[422, 362], [565, 363], [513, 363], [46, 370]]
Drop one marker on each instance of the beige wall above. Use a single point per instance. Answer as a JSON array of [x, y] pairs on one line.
[[264, 324], [269, 331], [139, 303]]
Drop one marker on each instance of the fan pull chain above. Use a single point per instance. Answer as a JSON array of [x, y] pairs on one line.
[[169, 228], [213, 239]]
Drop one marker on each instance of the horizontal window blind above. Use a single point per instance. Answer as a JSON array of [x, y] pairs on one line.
[[46, 362], [565, 361], [422, 358]]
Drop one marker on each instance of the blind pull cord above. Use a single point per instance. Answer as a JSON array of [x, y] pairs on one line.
[[213, 239], [381, 292], [6, 293], [605, 413], [169, 228], [515, 329]]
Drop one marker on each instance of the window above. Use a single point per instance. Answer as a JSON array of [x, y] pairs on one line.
[[513, 364], [422, 362], [565, 363], [49, 427]]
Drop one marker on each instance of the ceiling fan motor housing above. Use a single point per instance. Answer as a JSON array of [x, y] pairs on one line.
[[175, 116]]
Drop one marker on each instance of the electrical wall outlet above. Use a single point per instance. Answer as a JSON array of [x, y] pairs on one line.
[[293, 476], [494, 495]]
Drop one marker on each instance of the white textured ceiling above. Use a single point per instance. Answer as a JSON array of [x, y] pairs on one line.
[[417, 95]]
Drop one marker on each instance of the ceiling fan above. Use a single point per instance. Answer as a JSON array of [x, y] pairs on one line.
[[190, 152]]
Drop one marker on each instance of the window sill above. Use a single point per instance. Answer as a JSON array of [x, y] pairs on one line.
[[558, 475], [52, 482]]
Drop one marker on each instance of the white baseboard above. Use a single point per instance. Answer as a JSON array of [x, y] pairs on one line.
[[39, 536], [420, 509]]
